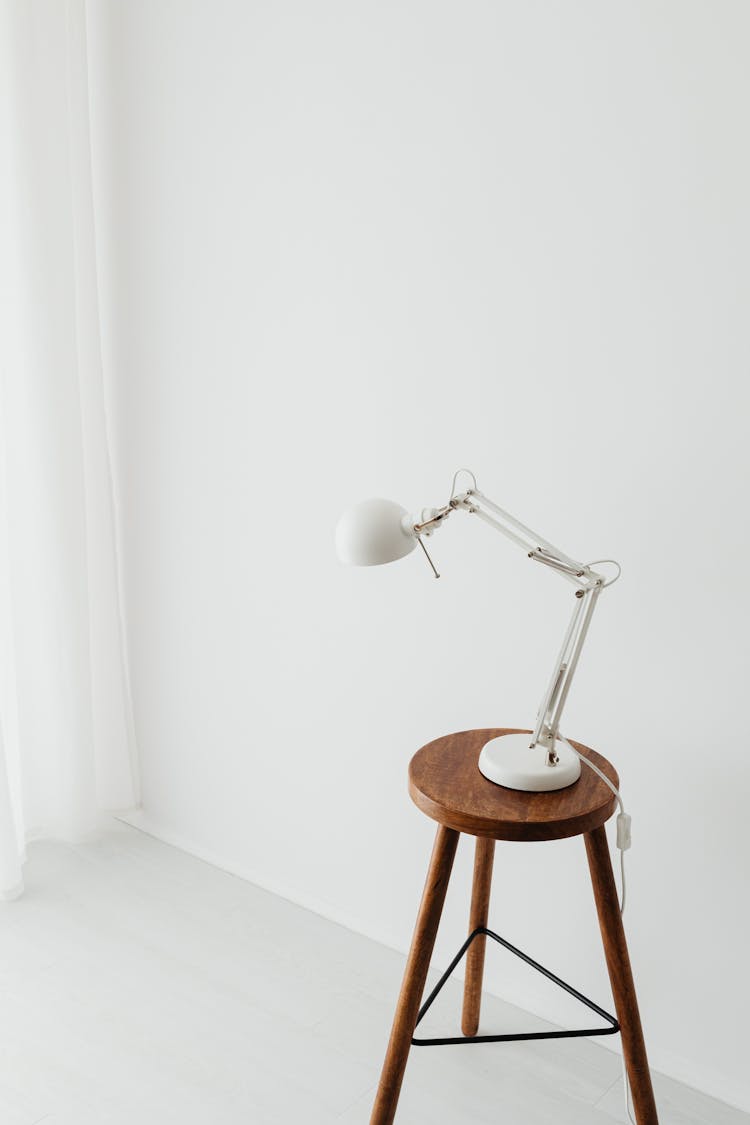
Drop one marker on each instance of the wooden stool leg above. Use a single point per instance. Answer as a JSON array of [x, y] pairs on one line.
[[621, 976], [480, 905], [415, 975]]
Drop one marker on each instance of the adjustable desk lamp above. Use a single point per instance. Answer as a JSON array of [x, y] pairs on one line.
[[380, 531]]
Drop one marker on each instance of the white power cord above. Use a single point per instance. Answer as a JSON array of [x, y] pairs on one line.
[[623, 843], [623, 820]]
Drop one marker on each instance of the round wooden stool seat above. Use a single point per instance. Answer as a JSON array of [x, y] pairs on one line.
[[445, 783]]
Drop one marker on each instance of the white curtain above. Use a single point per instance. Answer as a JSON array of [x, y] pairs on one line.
[[67, 750]]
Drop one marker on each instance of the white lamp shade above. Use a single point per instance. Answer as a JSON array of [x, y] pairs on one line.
[[373, 532]]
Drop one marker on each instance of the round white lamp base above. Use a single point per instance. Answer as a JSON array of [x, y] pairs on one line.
[[508, 761]]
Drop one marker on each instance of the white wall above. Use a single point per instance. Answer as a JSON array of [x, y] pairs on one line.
[[346, 248]]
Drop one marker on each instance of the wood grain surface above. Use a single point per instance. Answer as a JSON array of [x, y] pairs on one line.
[[484, 857], [445, 783], [415, 975], [621, 976]]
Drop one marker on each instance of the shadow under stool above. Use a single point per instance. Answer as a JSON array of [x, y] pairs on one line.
[[445, 783]]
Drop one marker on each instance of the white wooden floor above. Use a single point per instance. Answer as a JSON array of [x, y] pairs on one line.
[[139, 985]]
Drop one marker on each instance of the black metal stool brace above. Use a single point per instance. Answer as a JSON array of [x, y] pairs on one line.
[[482, 931]]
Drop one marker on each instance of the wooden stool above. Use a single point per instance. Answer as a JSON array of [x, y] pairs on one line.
[[445, 783]]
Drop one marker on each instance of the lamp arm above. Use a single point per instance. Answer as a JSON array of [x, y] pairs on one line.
[[526, 537], [547, 728], [536, 546], [589, 584]]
